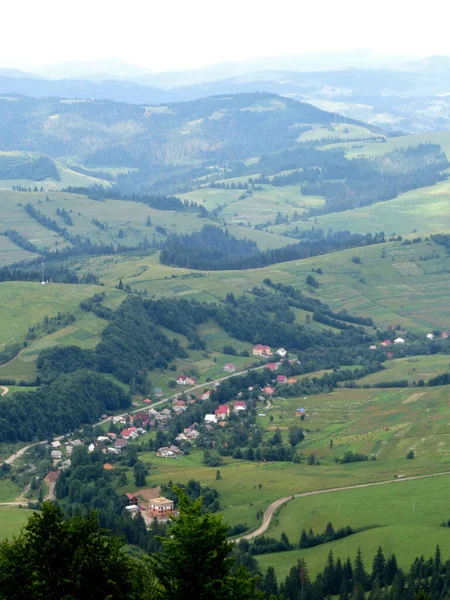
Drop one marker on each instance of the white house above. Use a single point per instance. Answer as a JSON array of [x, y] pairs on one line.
[[56, 454], [210, 419], [55, 444], [229, 368], [430, 336], [281, 352], [399, 340]]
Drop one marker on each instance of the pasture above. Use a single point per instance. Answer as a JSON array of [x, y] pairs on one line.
[[261, 206], [392, 516], [412, 369], [12, 521], [393, 284], [24, 303], [111, 221], [369, 148]]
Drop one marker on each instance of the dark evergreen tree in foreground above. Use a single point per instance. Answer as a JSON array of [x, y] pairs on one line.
[[71, 559], [196, 561]]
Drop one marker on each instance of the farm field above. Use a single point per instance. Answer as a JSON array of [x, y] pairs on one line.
[[9, 491], [23, 304], [392, 516], [412, 369], [393, 283], [12, 520], [369, 148], [343, 131], [259, 207]]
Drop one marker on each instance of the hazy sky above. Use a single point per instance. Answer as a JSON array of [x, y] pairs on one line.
[[178, 34]]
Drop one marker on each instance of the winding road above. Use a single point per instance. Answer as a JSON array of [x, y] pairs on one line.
[[278, 503], [4, 389]]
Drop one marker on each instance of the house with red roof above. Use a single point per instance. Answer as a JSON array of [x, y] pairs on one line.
[[281, 379], [268, 390], [261, 350], [291, 381], [128, 433], [272, 366], [389, 354], [52, 477], [223, 411], [386, 343], [239, 405], [230, 368]]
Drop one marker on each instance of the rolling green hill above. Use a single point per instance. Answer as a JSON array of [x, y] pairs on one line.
[[393, 283]]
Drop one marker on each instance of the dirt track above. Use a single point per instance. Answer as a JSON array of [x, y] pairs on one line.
[[275, 505], [4, 389]]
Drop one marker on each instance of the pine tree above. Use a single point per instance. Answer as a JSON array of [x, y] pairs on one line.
[[270, 584], [390, 570], [359, 574], [379, 563], [303, 540], [437, 558]]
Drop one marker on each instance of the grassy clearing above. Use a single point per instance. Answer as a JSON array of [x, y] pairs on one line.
[[342, 131], [376, 149], [9, 491], [411, 369], [23, 304], [259, 207], [395, 517], [12, 521]]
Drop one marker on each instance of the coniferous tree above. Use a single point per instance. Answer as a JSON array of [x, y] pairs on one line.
[[270, 584]]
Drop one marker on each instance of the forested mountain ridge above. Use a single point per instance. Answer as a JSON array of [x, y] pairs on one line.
[[104, 133]]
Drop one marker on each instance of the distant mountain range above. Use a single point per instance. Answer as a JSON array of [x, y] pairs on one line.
[[398, 95]]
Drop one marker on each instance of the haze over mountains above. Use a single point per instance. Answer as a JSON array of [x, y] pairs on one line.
[[412, 96]]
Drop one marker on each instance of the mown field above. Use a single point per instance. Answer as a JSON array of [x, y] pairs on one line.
[[411, 369], [261, 206], [24, 303], [393, 284], [403, 518], [12, 520]]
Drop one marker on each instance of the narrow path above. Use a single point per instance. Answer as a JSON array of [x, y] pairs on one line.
[[275, 505], [4, 389]]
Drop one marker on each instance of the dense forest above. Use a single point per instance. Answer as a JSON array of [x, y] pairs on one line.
[[18, 166], [213, 248], [62, 406]]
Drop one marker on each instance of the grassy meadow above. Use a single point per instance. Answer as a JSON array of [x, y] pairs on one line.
[[393, 284], [412, 369], [422, 211], [257, 208], [12, 520], [24, 303], [394, 516]]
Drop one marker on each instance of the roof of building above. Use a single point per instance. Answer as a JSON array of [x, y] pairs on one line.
[[52, 476], [161, 500], [223, 409], [108, 467]]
